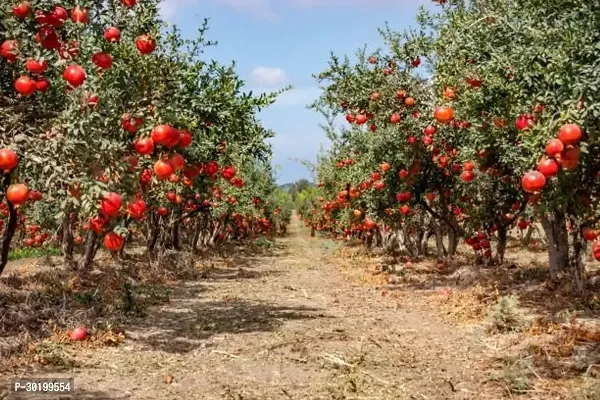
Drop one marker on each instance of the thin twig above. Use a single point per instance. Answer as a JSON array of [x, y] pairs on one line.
[[535, 373], [589, 369], [336, 360], [375, 378], [226, 354], [508, 391], [451, 385], [339, 362]]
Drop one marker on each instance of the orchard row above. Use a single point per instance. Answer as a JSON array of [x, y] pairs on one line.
[[453, 134], [114, 130]]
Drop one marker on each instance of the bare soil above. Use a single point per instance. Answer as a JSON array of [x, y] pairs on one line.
[[297, 323]]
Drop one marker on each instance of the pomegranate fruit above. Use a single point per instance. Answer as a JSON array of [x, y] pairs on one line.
[[570, 134], [113, 241], [110, 205], [17, 194], [74, 75], [533, 181], [25, 86], [78, 334], [443, 114]]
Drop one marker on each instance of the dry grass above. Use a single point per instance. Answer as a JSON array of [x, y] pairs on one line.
[[278, 320], [556, 355], [41, 301]]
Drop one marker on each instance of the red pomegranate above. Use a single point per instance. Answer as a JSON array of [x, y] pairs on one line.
[[113, 241], [163, 134], [590, 234], [17, 194], [228, 172], [548, 167], [131, 124], [554, 147], [145, 44], [102, 60], [211, 168], [112, 34], [533, 181], [136, 209], [8, 50], [78, 334], [467, 175], [110, 205], [75, 75], [163, 169], [185, 138], [144, 146], [22, 10], [36, 66], [25, 86], [8, 159], [443, 114], [570, 134], [80, 15], [177, 161]]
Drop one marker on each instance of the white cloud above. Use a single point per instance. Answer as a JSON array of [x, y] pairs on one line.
[[268, 77], [169, 9]]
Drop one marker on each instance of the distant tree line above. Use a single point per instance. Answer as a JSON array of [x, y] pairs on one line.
[[296, 187]]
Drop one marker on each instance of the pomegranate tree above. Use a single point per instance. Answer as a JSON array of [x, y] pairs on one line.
[[103, 123]]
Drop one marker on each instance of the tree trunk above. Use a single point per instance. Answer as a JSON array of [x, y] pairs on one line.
[[501, 246], [439, 241], [410, 244], [423, 250], [175, 242], [90, 251], [452, 241], [420, 235], [577, 262], [400, 241], [369, 241], [196, 237], [154, 232], [97, 244], [9, 231], [527, 239], [68, 242], [558, 245], [213, 235], [121, 255]]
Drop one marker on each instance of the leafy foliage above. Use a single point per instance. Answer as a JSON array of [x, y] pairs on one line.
[[452, 152], [119, 78]]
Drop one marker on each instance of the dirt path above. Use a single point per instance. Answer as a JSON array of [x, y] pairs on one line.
[[288, 326]]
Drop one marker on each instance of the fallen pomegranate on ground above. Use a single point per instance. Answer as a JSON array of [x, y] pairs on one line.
[[78, 334]]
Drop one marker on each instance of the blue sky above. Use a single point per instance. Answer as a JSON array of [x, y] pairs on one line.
[[284, 42]]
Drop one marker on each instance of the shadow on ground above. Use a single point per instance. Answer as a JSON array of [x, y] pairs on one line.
[[181, 330], [559, 348], [523, 274], [39, 297]]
